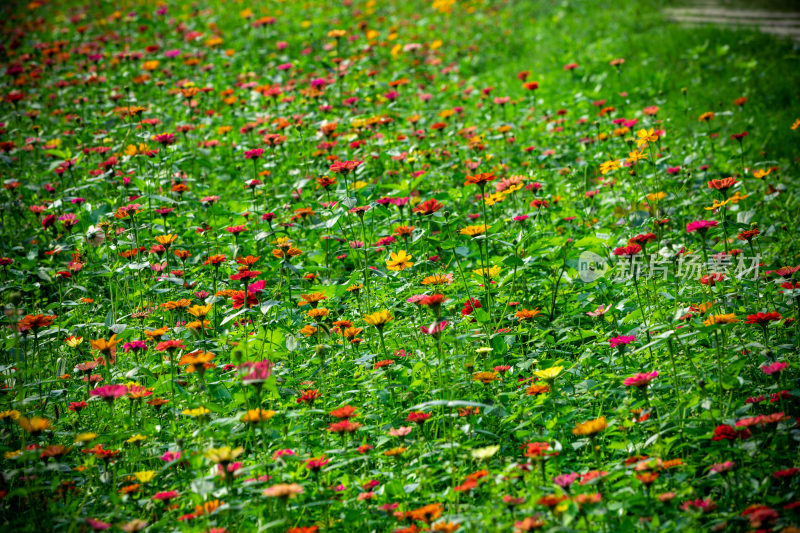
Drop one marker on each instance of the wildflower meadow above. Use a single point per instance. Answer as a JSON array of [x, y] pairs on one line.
[[384, 266]]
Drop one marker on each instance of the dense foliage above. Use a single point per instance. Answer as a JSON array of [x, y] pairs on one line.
[[396, 266]]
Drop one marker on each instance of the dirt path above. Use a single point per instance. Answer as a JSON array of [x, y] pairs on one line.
[[779, 23]]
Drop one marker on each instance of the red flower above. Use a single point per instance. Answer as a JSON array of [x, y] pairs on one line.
[[726, 432], [428, 207], [763, 319], [418, 417]]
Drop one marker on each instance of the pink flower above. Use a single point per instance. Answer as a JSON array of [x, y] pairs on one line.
[[640, 380], [721, 468], [257, 372], [281, 453], [434, 329], [402, 431], [704, 506], [600, 311]]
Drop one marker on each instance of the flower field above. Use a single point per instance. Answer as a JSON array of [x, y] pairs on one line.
[[369, 265]]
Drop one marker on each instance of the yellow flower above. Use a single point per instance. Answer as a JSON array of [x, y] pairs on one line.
[[729, 318], [705, 117], [636, 155], [74, 342], [336, 34], [646, 136], [150, 65], [443, 6], [549, 374], [85, 437], [656, 196], [145, 476], [379, 319], [485, 377], [34, 425], [199, 311], [716, 205], [399, 261], [490, 272], [166, 240], [200, 411], [254, 416], [484, 453], [796, 124], [761, 173], [737, 197], [12, 415], [608, 166], [474, 231], [592, 427], [225, 454], [493, 198], [136, 438]]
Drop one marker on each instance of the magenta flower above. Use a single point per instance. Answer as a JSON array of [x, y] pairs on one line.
[[701, 226], [165, 496], [110, 393], [622, 340], [134, 346], [255, 153], [400, 201], [168, 457], [565, 480], [774, 368], [641, 379], [97, 525], [704, 506]]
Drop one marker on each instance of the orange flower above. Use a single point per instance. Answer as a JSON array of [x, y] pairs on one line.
[[525, 314], [480, 179], [722, 185], [105, 346], [35, 322]]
